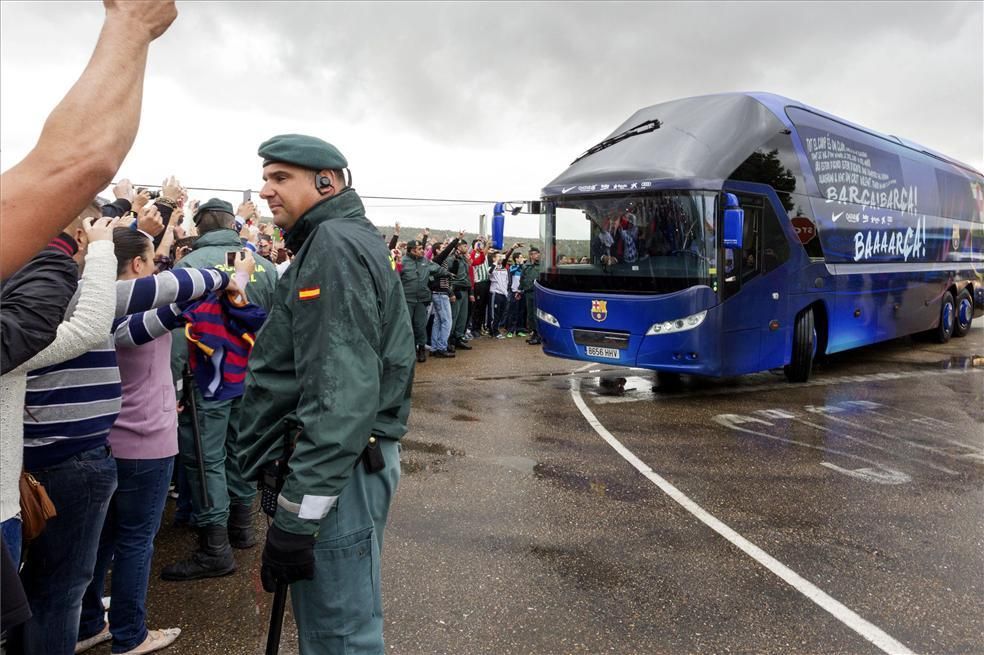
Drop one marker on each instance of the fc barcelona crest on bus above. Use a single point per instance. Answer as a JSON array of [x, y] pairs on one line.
[[599, 310]]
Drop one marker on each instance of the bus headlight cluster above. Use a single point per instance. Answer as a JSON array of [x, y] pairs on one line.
[[547, 318], [678, 325]]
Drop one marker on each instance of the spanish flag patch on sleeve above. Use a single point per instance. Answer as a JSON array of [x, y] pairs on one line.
[[311, 293]]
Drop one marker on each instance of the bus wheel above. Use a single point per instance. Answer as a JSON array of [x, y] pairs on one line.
[[804, 348], [964, 314], [947, 311], [668, 382]]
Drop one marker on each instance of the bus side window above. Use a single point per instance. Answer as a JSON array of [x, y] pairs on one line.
[[775, 247], [751, 246]]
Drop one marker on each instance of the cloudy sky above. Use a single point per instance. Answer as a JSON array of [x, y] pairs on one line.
[[488, 101]]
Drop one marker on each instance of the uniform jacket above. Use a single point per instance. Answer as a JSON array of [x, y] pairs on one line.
[[336, 352], [416, 274], [529, 272]]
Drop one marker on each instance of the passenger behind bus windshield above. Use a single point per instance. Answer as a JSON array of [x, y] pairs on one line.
[[655, 236]]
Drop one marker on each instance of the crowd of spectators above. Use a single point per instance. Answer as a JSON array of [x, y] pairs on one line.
[[116, 282], [457, 291]]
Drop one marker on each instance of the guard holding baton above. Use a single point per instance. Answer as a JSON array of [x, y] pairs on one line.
[[337, 353]]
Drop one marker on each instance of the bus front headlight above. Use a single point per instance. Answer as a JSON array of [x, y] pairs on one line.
[[547, 318], [678, 325]]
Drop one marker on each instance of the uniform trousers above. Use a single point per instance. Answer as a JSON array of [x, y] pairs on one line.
[[341, 610], [218, 422]]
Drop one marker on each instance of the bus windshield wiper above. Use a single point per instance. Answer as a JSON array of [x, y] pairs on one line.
[[646, 126]]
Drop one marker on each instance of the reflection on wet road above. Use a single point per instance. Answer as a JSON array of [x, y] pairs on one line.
[[855, 503]]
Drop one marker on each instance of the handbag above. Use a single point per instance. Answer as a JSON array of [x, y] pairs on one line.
[[36, 506]]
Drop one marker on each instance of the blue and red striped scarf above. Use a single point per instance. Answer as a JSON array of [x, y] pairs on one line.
[[220, 335]]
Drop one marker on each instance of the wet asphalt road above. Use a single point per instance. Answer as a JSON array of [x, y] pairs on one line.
[[518, 529]]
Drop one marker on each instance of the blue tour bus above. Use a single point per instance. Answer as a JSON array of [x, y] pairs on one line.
[[733, 233]]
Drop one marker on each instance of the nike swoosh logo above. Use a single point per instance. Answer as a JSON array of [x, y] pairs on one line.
[[568, 189], [836, 216]]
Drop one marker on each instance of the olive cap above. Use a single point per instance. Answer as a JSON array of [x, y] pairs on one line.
[[214, 205], [302, 150]]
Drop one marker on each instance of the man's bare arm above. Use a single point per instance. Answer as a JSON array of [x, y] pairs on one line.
[[85, 138]]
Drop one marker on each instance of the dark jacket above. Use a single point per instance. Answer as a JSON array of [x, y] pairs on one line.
[[34, 300]]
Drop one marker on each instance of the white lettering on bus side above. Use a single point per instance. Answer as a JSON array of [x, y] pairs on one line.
[[895, 243]]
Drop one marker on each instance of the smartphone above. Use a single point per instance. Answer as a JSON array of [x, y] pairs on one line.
[[281, 254], [231, 258], [247, 195]]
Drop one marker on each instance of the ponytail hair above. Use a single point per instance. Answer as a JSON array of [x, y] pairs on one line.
[[128, 244]]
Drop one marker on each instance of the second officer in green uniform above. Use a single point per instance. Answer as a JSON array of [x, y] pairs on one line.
[[337, 355]]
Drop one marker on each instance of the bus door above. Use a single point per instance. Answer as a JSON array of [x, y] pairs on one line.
[[756, 326]]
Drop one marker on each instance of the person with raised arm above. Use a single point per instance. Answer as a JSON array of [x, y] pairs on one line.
[[85, 138]]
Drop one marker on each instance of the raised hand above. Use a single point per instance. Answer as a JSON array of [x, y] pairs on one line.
[[246, 209], [140, 200], [124, 190], [151, 17], [99, 229], [171, 188], [149, 220]]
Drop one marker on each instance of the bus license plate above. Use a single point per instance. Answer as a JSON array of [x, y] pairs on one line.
[[608, 353]]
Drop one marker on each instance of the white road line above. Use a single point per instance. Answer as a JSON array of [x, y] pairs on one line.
[[869, 631], [638, 396]]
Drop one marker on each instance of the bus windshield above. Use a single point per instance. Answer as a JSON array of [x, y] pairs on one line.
[[641, 244]]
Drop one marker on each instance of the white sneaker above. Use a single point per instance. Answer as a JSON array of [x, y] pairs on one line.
[[94, 640]]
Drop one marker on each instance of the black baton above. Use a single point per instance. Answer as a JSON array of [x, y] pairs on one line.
[[189, 391], [276, 619], [270, 483]]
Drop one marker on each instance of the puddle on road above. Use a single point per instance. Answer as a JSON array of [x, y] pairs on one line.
[[431, 447], [574, 481], [964, 362], [580, 565]]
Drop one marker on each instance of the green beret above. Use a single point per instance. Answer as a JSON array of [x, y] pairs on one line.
[[301, 150], [213, 205]]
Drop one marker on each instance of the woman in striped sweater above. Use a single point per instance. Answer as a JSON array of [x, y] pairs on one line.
[[69, 411], [144, 440]]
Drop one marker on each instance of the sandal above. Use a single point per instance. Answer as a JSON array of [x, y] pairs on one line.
[[156, 640]]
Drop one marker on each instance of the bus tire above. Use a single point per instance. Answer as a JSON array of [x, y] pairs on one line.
[[667, 382], [944, 330], [804, 348], [963, 314]]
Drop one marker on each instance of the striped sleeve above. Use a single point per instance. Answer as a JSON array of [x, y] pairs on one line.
[[179, 285], [143, 327]]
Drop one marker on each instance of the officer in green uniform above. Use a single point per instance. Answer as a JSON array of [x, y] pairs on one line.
[[462, 289], [528, 275], [416, 275], [229, 521], [336, 354]]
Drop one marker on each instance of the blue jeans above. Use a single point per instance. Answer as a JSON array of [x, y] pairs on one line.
[[59, 563], [442, 322], [13, 537], [128, 543]]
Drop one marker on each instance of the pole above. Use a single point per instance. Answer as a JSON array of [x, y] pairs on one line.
[[189, 391], [276, 620]]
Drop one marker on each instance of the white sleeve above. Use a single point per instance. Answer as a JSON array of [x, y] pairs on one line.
[[90, 324]]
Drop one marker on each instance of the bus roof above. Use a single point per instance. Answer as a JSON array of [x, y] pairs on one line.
[[698, 143]]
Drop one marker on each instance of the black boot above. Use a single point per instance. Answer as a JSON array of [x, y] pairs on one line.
[[458, 343], [212, 559], [241, 532], [421, 354]]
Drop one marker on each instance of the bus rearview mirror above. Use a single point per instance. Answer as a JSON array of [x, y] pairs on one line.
[[734, 222]]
